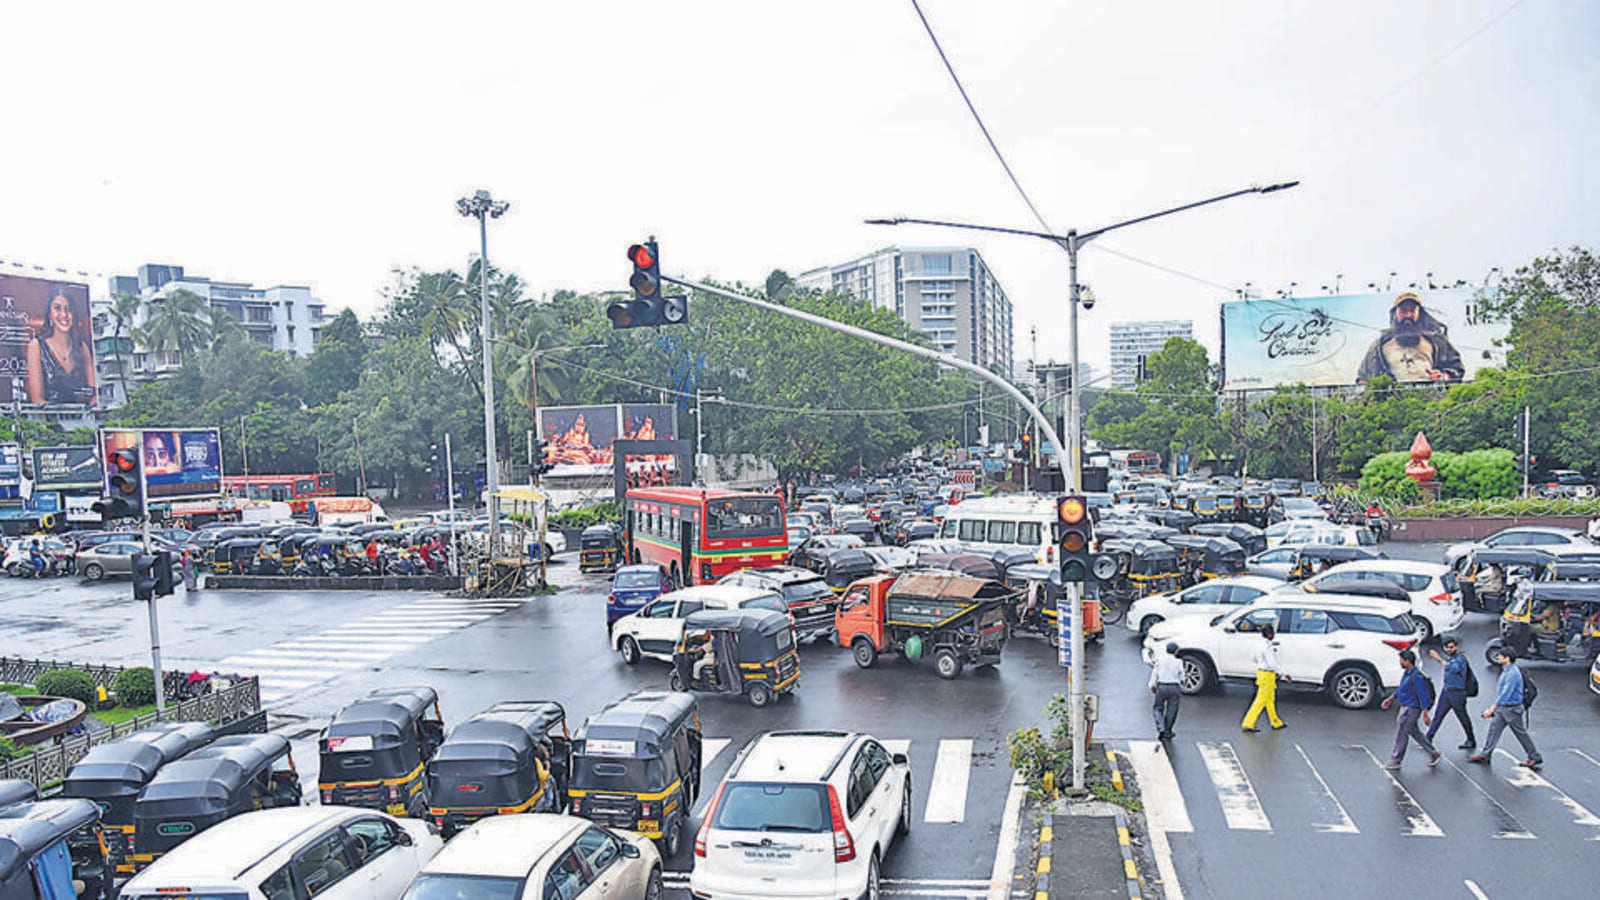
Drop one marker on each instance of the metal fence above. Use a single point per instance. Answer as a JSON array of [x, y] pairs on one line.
[[49, 764]]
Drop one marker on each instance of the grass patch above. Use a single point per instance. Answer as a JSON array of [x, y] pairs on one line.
[[20, 690], [119, 714]]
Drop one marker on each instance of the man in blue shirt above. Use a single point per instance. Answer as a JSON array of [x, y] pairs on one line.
[[1413, 697], [1508, 711], [1453, 696]]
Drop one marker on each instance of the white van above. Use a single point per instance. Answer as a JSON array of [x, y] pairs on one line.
[[292, 853], [1015, 522]]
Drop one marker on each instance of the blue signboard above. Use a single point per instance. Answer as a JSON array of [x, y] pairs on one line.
[[1063, 633], [46, 502]]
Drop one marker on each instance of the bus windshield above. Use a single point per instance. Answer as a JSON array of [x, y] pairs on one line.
[[744, 517]]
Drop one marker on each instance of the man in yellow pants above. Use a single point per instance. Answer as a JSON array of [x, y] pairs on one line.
[[1267, 675]]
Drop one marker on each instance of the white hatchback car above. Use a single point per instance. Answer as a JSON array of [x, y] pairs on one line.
[[1348, 646], [291, 853], [1208, 598], [540, 855], [802, 814], [1435, 594], [654, 630]]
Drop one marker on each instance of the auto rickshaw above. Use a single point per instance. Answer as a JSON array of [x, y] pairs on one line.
[[1558, 621], [1172, 518], [1036, 604], [1145, 567], [235, 556], [1313, 558], [600, 548], [963, 563], [737, 651], [373, 751], [839, 568], [866, 529], [1206, 508], [1251, 538], [347, 556], [16, 790], [513, 757], [228, 776], [1208, 557], [1488, 575], [1564, 569], [112, 775], [636, 766], [1255, 509], [53, 850]]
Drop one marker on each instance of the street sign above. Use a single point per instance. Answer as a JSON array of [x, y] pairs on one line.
[[1063, 635]]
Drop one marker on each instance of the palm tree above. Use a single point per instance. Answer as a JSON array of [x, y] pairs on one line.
[[124, 309], [222, 328], [177, 323]]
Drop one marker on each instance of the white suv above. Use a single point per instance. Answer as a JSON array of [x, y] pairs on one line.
[[654, 630], [1349, 646], [802, 814], [1435, 595]]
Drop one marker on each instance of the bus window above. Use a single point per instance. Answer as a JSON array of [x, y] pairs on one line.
[[971, 530], [1028, 533], [1001, 532], [744, 517]]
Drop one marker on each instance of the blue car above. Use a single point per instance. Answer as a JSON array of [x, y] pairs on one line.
[[631, 588]]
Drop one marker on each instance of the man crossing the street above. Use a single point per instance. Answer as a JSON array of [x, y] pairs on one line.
[[1414, 700], [1508, 711], [1267, 675], [1166, 683], [1453, 697]]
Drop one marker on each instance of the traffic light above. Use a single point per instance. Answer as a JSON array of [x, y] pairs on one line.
[[1520, 428], [1027, 446], [1526, 465], [1076, 536], [164, 583], [126, 497], [541, 461], [648, 307], [144, 576]]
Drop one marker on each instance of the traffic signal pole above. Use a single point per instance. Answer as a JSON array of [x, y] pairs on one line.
[[1527, 458], [155, 624]]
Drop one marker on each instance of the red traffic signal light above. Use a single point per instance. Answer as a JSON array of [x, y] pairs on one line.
[[125, 460], [642, 256], [646, 280]]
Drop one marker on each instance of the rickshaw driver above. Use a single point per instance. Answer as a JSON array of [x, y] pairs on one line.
[[1490, 581], [707, 659]]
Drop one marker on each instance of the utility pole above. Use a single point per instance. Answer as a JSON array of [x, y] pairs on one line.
[[450, 488], [1527, 441], [482, 207], [244, 448], [361, 461]]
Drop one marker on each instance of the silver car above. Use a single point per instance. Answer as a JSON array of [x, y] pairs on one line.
[[110, 558]]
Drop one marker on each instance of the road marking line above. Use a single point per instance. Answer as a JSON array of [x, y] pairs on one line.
[[387, 631], [1477, 892], [947, 789], [709, 748], [1522, 777], [335, 640], [1005, 854], [389, 618], [1344, 825], [1240, 805], [291, 667], [1582, 755], [1164, 809], [1418, 822], [342, 651], [1510, 826]]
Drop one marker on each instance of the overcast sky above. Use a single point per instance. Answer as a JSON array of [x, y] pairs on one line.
[[326, 142]]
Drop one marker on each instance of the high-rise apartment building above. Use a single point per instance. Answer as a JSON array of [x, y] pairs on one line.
[[947, 293], [282, 317], [1131, 342]]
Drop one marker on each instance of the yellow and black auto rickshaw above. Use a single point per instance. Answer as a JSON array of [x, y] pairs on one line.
[[372, 752], [636, 766], [1035, 605], [231, 775], [1313, 559], [1557, 621], [511, 758], [737, 651], [600, 548], [1489, 575], [53, 850]]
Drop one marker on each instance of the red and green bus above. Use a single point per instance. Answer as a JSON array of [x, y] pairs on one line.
[[699, 535]]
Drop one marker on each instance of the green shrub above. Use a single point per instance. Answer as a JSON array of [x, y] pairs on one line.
[[8, 750], [1384, 475], [74, 683], [584, 516], [135, 687]]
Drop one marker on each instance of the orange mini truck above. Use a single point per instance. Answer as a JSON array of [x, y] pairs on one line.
[[957, 619]]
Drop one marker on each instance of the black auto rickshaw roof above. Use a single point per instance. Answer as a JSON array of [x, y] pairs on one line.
[[383, 712], [242, 543], [846, 558], [751, 622], [210, 782], [128, 763], [1515, 556], [1566, 570], [646, 718], [965, 563], [1231, 530], [1561, 591], [504, 731], [602, 530], [1049, 574], [251, 752], [173, 739], [1338, 552], [27, 828], [17, 790]]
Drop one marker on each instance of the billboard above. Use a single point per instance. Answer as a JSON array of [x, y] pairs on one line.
[[66, 469], [46, 348], [177, 463], [1412, 336], [580, 437], [10, 470]]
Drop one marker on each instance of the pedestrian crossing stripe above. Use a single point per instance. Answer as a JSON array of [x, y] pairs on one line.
[[1167, 805]]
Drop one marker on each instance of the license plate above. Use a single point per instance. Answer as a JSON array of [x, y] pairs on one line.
[[649, 825], [768, 857]]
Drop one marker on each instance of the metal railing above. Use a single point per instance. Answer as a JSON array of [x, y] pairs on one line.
[[49, 764]]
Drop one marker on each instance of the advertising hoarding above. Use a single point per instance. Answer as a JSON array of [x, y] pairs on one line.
[[66, 469], [581, 437], [46, 349], [10, 471], [176, 463], [1413, 336]]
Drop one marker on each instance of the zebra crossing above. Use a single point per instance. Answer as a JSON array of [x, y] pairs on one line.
[[941, 792], [1344, 789], [304, 660]]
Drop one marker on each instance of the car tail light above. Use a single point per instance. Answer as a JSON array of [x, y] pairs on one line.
[[844, 846], [705, 823], [1441, 599], [1400, 645], [611, 599]]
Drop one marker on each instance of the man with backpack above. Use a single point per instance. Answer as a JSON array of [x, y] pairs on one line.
[[1513, 696], [1459, 684], [1415, 695]]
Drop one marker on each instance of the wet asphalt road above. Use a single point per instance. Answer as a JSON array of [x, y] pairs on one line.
[[554, 647]]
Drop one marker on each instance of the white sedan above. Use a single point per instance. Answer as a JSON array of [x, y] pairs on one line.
[[1209, 598]]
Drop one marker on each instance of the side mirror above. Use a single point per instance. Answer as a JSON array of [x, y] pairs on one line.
[[629, 850], [406, 840], [900, 759]]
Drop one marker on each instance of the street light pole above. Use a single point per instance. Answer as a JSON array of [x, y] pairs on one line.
[[1071, 467], [482, 207]]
